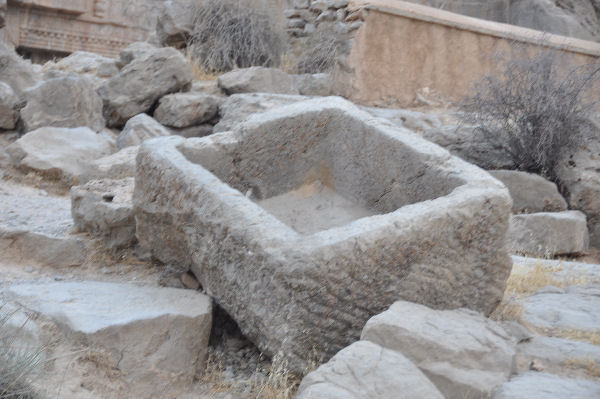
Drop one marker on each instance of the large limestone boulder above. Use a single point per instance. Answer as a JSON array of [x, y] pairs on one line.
[[257, 80], [569, 310], [139, 128], [63, 102], [175, 22], [317, 84], [157, 336], [548, 386], [15, 71], [242, 210], [142, 82], [578, 175], [366, 370], [133, 51], [59, 153], [104, 208], [576, 18], [94, 66], [186, 109], [549, 233], [465, 354], [531, 193], [119, 165], [469, 144], [239, 107], [8, 107]]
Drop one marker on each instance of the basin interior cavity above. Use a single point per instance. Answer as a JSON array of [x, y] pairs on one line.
[[321, 169]]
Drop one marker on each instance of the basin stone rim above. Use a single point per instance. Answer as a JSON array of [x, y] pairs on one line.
[[477, 184]]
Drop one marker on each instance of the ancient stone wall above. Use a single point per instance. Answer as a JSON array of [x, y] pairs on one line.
[[391, 50]]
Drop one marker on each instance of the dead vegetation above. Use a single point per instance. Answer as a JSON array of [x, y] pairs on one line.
[[231, 34], [17, 364], [525, 281], [320, 51], [588, 364], [275, 381], [536, 105]]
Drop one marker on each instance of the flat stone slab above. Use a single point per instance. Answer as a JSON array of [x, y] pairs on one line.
[[574, 308], [36, 227], [158, 337], [556, 354], [366, 370], [418, 224], [549, 233], [547, 386], [462, 352]]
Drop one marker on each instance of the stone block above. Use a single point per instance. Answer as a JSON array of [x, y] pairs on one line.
[[142, 82], [366, 370], [139, 128], [59, 153], [104, 208], [465, 354], [158, 337], [549, 233], [69, 101], [257, 80], [307, 220], [531, 193]]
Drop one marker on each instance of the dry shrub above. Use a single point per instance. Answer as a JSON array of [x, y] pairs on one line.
[[320, 51], [231, 34], [17, 364], [535, 104]]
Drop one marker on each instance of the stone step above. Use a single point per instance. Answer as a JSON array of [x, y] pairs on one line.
[[36, 227], [155, 339]]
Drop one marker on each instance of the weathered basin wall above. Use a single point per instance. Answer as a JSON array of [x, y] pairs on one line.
[[404, 47]]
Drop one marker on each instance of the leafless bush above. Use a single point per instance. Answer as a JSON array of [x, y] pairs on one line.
[[321, 50], [232, 34], [536, 105]]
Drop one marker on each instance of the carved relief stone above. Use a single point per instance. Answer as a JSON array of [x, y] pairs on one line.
[[64, 26]]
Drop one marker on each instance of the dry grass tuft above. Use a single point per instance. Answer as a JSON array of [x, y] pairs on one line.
[[524, 281], [280, 383], [508, 309], [592, 337], [276, 382], [200, 72], [591, 367], [527, 280]]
